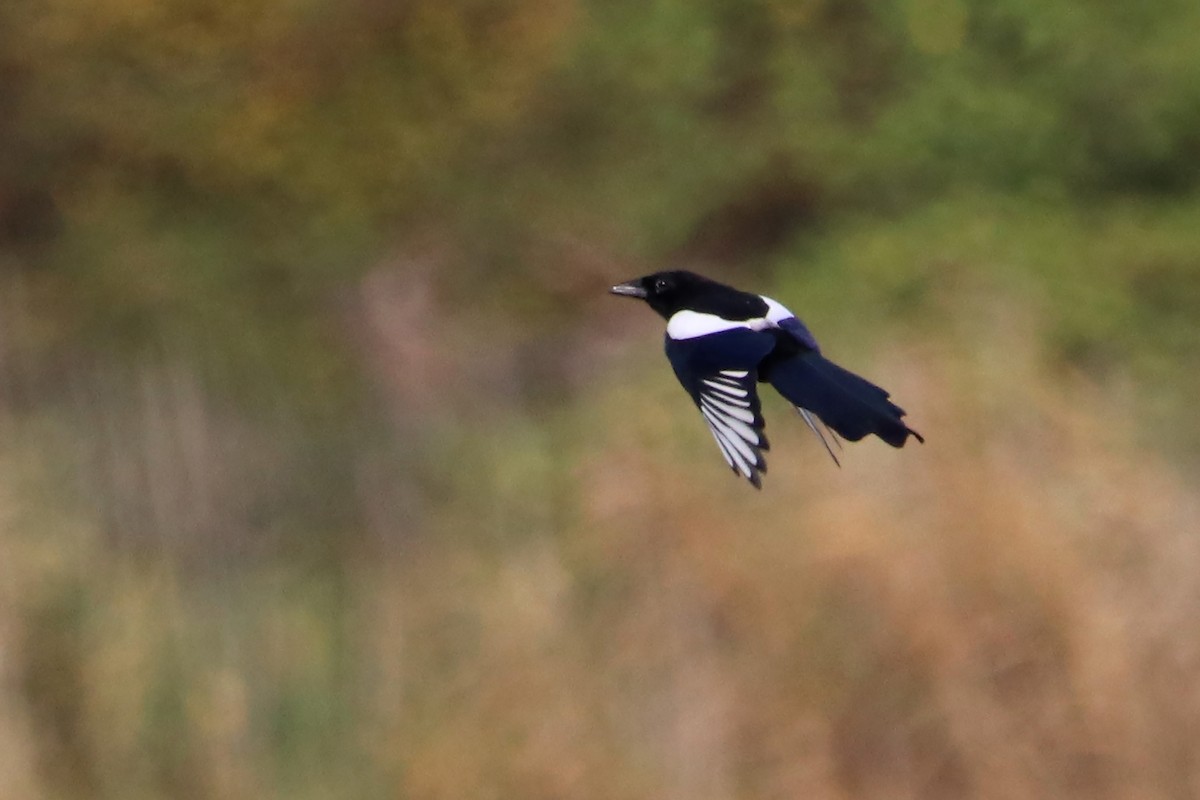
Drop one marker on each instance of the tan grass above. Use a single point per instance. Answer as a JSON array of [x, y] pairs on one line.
[[1007, 612]]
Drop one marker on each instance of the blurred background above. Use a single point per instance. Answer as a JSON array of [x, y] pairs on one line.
[[329, 470]]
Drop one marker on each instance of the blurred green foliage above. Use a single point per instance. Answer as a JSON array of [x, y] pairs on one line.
[[175, 157], [304, 133], [195, 184]]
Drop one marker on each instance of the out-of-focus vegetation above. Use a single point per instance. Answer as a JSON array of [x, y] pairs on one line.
[[327, 469]]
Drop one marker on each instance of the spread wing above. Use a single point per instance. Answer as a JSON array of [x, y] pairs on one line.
[[720, 372], [730, 405]]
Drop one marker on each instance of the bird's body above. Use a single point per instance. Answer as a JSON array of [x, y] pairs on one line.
[[722, 342]]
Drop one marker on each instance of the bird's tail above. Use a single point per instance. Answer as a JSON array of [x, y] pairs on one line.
[[852, 406]]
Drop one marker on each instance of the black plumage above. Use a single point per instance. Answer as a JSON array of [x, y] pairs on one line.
[[722, 342]]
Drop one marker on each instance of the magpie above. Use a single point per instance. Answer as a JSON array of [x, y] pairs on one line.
[[721, 342]]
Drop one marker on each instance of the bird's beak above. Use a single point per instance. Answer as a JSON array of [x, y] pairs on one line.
[[630, 289]]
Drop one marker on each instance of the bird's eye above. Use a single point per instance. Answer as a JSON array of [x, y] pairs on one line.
[[661, 285]]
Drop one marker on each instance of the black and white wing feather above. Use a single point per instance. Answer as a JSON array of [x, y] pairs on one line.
[[720, 371], [730, 405]]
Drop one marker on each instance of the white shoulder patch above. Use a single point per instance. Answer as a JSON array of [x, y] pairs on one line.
[[776, 312], [690, 324]]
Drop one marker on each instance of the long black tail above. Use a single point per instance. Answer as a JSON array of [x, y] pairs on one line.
[[852, 406]]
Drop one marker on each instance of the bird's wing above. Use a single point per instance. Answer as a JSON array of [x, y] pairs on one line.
[[779, 316], [800, 332], [720, 372], [807, 416], [731, 408]]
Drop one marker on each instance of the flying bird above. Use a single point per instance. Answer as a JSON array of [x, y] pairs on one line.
[[722, 342]]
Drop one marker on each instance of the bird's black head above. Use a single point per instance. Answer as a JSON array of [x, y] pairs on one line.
[[668, 292]]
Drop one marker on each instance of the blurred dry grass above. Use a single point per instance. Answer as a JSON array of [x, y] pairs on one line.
[[1007, 612]]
